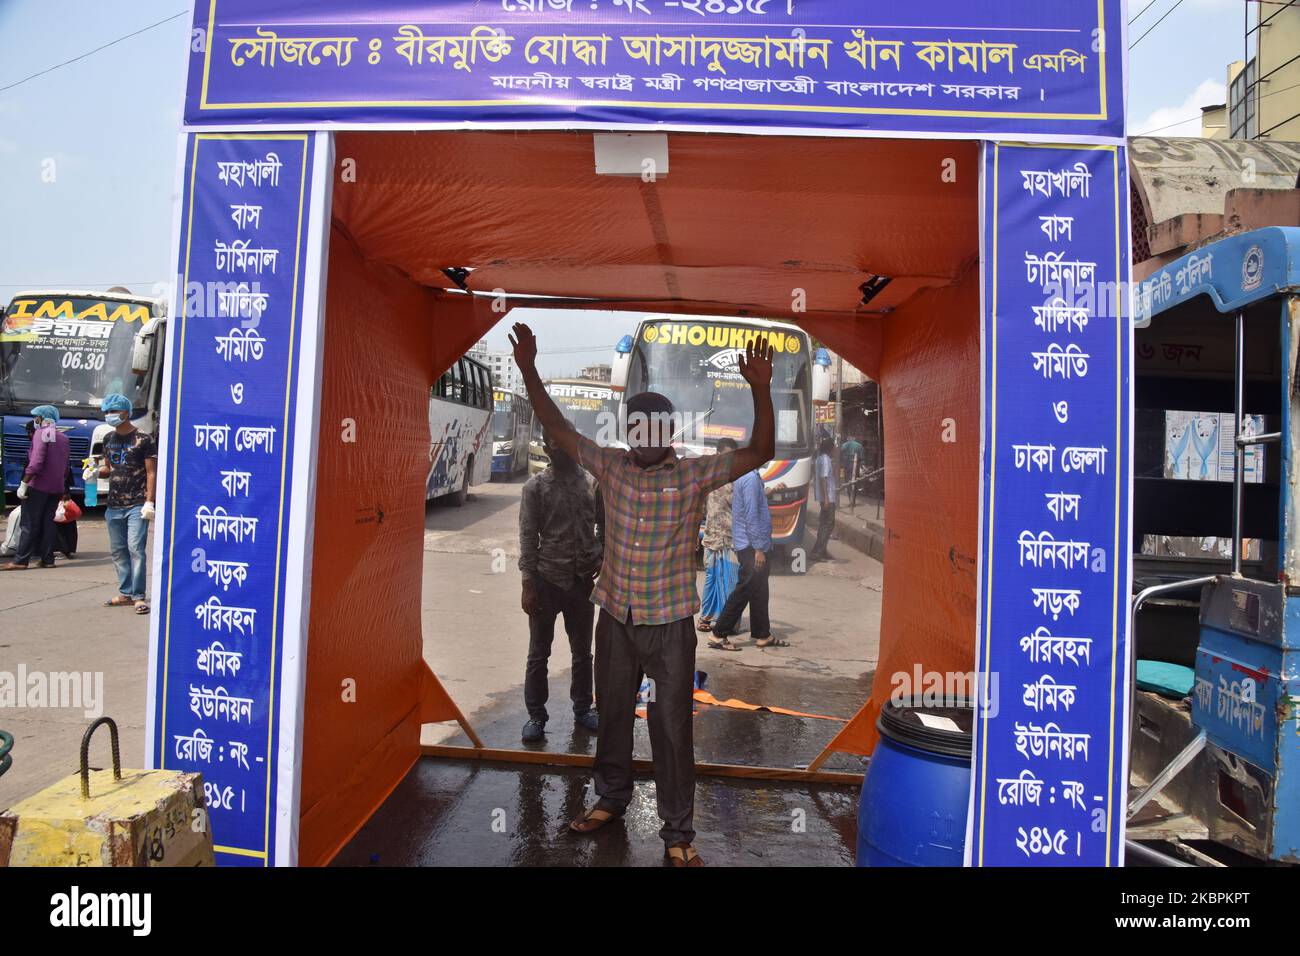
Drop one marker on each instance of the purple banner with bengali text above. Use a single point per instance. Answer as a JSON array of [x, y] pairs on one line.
[[969, 68]]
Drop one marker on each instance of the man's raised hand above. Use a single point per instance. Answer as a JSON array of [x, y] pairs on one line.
[[525, 345], [756, 363]]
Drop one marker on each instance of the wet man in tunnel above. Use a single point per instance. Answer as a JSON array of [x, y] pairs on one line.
[[559, 555], [646, 592]]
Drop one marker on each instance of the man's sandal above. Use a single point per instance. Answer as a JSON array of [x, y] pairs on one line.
[[120, 601], [593, 818], [771, 641], [704, 625], [722, 644], [682, 854]]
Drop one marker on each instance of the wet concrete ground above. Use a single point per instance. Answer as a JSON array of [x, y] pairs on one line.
[[463, 813], [468, 813]]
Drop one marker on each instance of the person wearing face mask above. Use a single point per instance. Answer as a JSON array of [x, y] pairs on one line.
[[130, 464], [41, 488], [646, 591]]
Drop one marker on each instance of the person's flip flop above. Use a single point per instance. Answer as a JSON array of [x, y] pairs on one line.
[[119, 601], [593, 818], [723, 644], [142, 607], [704, 625], [771, 641]]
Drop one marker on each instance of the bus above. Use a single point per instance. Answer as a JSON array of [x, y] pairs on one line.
[[586, 405], [460, 416], [694, 362], [70, 349], [512, 423]]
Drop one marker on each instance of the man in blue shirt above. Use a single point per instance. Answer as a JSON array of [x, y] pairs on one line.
[[751, 538]]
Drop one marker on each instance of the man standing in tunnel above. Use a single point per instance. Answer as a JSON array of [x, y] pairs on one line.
[[559, 554], [646, 590]]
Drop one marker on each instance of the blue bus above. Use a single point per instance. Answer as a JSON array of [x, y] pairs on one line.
[[69, 349], [512, 423]]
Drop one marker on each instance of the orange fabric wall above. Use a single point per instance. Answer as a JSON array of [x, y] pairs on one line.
[[387, 339], [369, 545], [929, 371]]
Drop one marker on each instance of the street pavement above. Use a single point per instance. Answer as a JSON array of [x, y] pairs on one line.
[[476, 641]]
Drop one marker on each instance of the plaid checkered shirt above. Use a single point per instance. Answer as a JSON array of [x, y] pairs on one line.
[[652, 524]]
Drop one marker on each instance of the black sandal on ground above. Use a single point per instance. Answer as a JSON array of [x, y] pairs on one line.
[[722, 644], [771, 641]]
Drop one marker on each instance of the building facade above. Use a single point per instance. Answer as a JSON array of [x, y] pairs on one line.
[[505, 374], [1264, 92]]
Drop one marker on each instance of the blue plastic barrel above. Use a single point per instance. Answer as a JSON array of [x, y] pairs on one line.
[[915, 794]]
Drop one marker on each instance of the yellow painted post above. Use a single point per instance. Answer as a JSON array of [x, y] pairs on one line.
[[110, 818]]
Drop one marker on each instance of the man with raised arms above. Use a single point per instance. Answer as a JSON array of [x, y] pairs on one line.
[[646, 591]]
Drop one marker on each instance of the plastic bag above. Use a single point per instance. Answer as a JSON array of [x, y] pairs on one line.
[[12, 531], [67, 512]]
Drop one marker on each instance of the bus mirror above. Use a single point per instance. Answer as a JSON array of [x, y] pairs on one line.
[[141, 353], [821, 383], [618, 370]]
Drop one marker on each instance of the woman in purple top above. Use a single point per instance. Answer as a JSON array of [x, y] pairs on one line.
[[43, 484]]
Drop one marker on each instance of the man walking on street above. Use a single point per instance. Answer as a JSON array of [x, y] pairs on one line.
[[42, 485], [131, 466], [824, 489], [559, 556], [852, 458], [646, 590], [751, 534]]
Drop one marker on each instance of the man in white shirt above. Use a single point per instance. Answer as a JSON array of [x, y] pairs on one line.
[[825, 492]]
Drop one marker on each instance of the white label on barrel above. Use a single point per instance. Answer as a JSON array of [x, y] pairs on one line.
[[938, 723]]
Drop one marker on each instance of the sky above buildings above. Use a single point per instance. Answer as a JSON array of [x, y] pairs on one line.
[[88, 149]]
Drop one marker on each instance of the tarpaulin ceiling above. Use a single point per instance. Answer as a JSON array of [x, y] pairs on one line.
[[740, 221]]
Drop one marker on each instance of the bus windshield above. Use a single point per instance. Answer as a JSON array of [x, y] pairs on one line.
[[585, 406], [70, 352], [503, 420], [695, 365]]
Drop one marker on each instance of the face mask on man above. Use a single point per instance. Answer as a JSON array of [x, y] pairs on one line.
[[115, 418]]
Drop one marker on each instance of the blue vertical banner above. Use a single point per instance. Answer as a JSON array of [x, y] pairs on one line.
[[1050, 762], [228, 564]]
